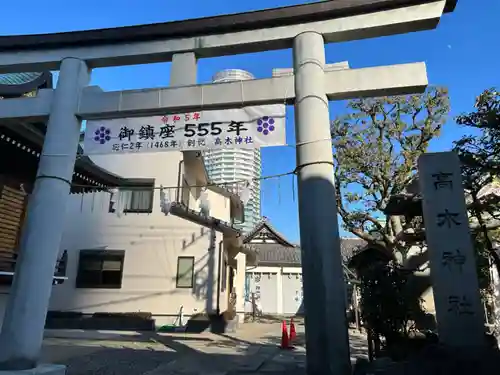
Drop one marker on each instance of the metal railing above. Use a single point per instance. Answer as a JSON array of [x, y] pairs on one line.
[[8, 261]]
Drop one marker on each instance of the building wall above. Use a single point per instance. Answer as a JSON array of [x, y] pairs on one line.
[[152, 243], [278, 290], [229, 165], [292, 292]]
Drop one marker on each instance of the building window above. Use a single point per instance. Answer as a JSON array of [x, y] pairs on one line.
[[185, 272], [133, 200], [100, 269]]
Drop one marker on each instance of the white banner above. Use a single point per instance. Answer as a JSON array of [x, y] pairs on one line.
[[249, 127]]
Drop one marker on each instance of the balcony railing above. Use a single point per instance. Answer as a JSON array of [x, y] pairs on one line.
[[184, 212], [8, 261]]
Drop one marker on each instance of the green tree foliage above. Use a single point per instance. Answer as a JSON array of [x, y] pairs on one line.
[[481, 150], [387, 306], [480, 156], [482, 262], [376, 147]]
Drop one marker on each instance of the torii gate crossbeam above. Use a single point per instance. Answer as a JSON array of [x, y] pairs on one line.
[[341, 84], [306, 28], [337, 21]]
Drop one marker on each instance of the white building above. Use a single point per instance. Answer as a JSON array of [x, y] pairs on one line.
[[276, 281], [227, 165], [126, 256]]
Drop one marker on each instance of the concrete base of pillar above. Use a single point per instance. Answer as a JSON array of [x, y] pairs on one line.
[[232, 325], [241, 318], [44, 369]]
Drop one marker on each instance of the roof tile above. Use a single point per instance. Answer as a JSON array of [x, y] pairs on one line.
[[18, 78], [279, 255]]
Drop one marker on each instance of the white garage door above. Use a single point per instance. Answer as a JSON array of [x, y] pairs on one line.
[[264, 285], [292, 293]]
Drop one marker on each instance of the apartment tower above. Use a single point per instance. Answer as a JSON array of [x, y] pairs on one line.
[[228, 165]]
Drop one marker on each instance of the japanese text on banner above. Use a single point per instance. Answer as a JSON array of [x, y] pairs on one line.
[[236, 128]]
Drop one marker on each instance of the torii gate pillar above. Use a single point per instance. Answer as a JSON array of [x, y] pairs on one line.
[[327, 341], [23, 324]]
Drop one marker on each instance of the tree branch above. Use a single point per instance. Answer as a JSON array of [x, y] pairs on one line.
[[494, 224], [376, 146]]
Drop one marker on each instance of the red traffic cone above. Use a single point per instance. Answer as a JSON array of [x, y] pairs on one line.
[[284, 336], [293, 333]]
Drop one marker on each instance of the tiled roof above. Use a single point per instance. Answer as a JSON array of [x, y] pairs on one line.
[[490, 190], [20, 84], [265, 224], [350, 246], [283, 253], [277, 255], [18, 78], [273, 254]]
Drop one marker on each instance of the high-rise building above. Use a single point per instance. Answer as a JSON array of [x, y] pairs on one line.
[[227, 165]]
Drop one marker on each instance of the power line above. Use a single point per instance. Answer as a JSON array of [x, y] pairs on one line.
[[222, 185]]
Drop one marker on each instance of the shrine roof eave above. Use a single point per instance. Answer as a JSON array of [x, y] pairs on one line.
[[261, 19], [87, 175], [265, 224], [370, 253], [263, 263], [404, 205], [19, 84], [107, 178]]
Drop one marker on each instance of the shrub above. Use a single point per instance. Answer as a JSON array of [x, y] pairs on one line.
[[388, 307]]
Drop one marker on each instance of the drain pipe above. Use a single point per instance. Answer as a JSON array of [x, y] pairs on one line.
[[219, 266], [179, 181]]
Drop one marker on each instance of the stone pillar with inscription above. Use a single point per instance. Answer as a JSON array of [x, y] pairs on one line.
[[459, 313]]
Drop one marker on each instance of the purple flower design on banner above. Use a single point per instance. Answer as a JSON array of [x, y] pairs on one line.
[[265, 125], [102, 135]]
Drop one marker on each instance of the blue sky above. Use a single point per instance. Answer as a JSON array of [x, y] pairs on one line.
[[462, 54]]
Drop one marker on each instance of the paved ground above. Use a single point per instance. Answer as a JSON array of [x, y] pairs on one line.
[[252, 350]]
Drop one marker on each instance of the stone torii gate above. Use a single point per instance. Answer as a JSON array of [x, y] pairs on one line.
[[305, 28]]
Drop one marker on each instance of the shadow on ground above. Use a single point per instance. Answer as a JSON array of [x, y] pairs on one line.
[[154, 354], [151, 353], [357, 343]]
